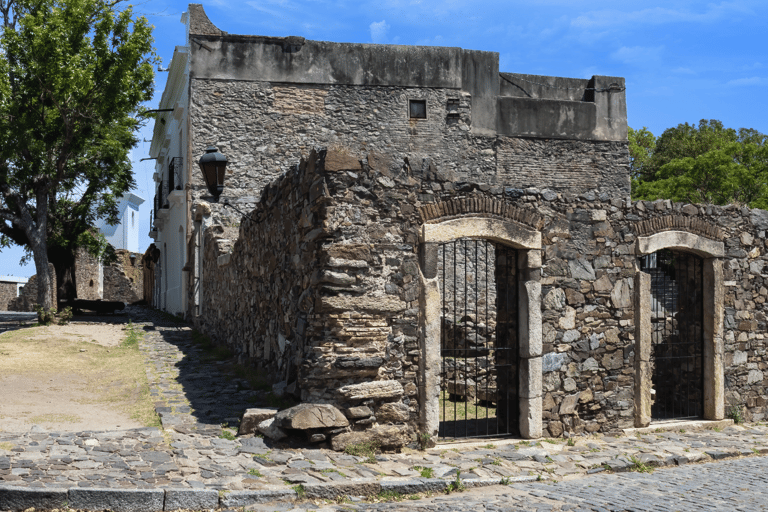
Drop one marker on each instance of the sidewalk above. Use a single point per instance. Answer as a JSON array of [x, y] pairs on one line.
[[188, 465]]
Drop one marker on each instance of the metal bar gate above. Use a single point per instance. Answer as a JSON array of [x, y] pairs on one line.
[[479, 355], [677, 337]]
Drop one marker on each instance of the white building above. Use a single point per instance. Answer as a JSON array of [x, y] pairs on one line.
[[124, 234], [170, 150]]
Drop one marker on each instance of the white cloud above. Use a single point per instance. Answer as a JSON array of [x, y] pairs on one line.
[[755, 80], [638, 55], [684, 71], [379, 31]]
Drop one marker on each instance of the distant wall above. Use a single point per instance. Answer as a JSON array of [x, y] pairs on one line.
[[124, 279], [8, 293]]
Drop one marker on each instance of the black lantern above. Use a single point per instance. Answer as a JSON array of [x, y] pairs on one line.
[[213, 164]]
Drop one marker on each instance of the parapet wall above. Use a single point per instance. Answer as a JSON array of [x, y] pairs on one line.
[[323, 289]]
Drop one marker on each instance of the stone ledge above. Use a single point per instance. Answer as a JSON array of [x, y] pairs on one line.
[[117, 500], [22, 498], [237, 499]]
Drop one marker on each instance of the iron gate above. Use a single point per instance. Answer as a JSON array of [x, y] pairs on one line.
[[677, 337], [478, 340]]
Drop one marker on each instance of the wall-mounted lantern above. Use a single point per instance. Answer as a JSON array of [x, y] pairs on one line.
[[213, 164]]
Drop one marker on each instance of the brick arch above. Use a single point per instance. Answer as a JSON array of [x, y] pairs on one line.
[[479, 206], [693, 225]]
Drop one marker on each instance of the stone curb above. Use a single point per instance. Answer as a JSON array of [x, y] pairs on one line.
[[157, 500]]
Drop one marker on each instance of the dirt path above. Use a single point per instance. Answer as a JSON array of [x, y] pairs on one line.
[[71, 378]]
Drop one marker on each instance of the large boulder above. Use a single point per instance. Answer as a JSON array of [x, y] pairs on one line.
[[387, 437], [311, 416], [249, 423]]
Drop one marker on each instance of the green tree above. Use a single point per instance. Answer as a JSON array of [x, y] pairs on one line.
[[73, 74], [707, 163]]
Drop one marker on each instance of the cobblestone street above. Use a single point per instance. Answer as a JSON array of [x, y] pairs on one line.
[[190, 463], [735, 485]]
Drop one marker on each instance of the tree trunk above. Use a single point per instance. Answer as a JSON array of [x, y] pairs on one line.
[[39, 241], [63, 261]]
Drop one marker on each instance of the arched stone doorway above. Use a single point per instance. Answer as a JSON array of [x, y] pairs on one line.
[[678, 315], [512, 243]]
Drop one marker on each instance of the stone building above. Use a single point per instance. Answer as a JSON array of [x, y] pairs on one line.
[[433, 246], [9, 290], [121, 281]]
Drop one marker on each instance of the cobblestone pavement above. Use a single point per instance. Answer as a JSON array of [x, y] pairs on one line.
[[734, 485], [195, 396]]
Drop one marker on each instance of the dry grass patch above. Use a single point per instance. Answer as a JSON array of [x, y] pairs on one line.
[[55, 361]]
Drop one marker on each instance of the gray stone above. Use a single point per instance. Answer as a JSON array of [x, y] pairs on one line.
[[388, 437], [759, 218], [237, 499], [582, 269], [118, 500], [310, 416], [554, 361], [373, 389], [252, 417], [359, 412], [349, 487], [22, 498], [272, 431], [569, 404], [414, 485], [555, 299], [393, 413], [191, 499]]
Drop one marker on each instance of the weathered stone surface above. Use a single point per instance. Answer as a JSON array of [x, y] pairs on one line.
[[191, 499], [249, 423], [555, 299], [396, 412], [119, 500], [621, 296], [340, 161], [374, 389], [310, 416], [388, 437], [24, 498], [569, 404], [272, 431], [582, 269], [358, 412]]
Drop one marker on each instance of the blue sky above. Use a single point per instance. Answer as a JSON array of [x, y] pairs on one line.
[[683, 60]]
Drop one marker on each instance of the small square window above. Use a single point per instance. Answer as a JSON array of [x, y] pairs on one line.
[[417, 109]]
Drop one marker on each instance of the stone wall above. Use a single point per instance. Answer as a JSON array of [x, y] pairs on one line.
[[124, 279], [374, 123], [322, 287], [7, 295], [88, 276], [28, 295]]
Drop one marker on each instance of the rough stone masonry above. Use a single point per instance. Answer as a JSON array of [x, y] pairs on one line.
[[329, 282]]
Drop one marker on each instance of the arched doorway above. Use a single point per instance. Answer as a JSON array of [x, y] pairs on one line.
[[480, 319], [678, 328]]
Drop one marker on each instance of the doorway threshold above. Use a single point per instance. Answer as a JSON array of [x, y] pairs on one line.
[[446, 444], [686, 425]]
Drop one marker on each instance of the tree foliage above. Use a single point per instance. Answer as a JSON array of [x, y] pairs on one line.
[[707, 163], [73, 74]]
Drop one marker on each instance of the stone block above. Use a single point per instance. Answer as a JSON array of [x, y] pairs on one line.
[[582, 269], [388, 437], [357, 413], [117, 500], [237, 499], [569, 404], [393, 413], [272, 431], [23, 498], [414, 485], [336, 160], [386, 304], [621, 295], [349, 487], [530, 377], [310, 416], [191, 499], [372, 390], [249, 423], [530, 418]]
